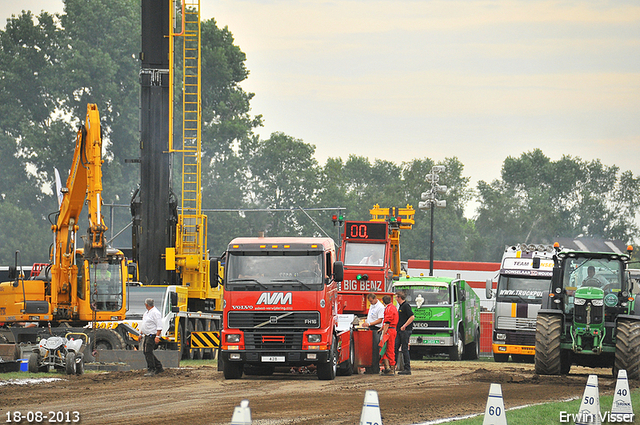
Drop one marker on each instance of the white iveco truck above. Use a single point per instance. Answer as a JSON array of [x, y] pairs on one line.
[[525, 275]]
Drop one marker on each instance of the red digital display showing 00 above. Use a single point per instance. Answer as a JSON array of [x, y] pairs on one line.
[[366, 230]]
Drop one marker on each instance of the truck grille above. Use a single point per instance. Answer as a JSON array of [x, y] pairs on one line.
[[431, 324], [273, 320], [520, 338], [272, 341], [516, 323], [580, 313]]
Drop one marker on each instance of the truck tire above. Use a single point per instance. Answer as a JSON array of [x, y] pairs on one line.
[[193, 353], [198, 352], [500, 357], [34, 362], [548, 357], [327, 371], [455, 352], [108, 339], [346, 367], [70, 363], [472, 349], [180, 345], [232, 370], [627, 349]]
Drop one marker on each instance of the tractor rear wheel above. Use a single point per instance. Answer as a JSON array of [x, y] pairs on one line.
[[627, 349], [548, 353]]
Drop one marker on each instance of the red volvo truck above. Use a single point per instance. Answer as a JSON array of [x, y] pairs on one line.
[[281, 308]]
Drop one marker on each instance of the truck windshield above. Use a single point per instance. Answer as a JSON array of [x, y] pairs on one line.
[[106, 286], [363, 254], [427, 295], [522, 289], [277, 270], [135, 300], [594, 272]]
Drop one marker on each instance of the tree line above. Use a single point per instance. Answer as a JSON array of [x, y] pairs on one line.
[[54, 64]]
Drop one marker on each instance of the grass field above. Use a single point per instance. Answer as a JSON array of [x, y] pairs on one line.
[[549, 414]]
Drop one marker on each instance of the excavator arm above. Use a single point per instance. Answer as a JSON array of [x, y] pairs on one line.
[[84, 181]]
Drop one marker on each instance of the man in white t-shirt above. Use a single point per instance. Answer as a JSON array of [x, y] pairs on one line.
[[376, 313], [374, 323], [150, 328]]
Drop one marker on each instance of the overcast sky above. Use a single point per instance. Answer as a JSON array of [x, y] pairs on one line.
[[401, 79]]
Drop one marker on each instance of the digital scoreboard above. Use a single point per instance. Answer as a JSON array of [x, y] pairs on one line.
[[365, 230]]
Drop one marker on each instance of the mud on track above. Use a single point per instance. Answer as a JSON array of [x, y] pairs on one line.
[[436, 389]]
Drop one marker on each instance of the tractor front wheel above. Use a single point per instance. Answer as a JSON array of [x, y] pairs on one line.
[[548, 358]]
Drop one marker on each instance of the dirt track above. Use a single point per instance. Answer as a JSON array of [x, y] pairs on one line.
[[436, 389]]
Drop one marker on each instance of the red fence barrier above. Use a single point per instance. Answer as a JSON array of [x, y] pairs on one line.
[[486, 331]]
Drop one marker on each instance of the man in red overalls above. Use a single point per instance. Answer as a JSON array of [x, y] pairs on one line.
[[390, 322]]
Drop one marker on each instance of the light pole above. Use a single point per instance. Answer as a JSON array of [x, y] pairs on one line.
[[430, 202]]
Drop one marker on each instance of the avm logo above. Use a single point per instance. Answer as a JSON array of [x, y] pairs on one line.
[[275, 298]]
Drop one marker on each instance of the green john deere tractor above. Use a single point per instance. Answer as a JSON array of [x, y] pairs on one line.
[[589, 318]]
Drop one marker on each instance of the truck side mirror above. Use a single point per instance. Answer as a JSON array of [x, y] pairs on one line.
[[338, 271], [132, 270], [556, 281], [214, 276], [173, 299], [489, 289], [13, 273]]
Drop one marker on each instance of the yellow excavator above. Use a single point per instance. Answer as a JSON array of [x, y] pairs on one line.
[[79, 285]]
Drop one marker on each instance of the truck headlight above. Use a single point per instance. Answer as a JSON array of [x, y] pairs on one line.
[[501, 337], [579, 301], [597, 303], [314, 338], [233, 338]]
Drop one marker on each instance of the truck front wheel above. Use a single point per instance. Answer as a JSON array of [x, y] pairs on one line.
[[327, 371], [627, 349], [232, 370], [548, 358], [455, 352], [346, 367]]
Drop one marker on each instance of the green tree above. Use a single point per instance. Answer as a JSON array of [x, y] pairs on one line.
[[284, 174], [537, 200]]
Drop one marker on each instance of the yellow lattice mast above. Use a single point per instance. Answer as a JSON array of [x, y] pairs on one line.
[[191, 253]]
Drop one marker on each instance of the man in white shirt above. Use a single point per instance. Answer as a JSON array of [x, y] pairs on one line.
[[150, 328], [375, 316], [372, 259]]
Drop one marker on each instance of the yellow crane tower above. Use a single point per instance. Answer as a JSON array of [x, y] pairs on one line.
[[190, 257], [398, 218]]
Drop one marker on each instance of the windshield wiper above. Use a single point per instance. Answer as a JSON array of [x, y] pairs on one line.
[[292, 280], [250, 280]]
